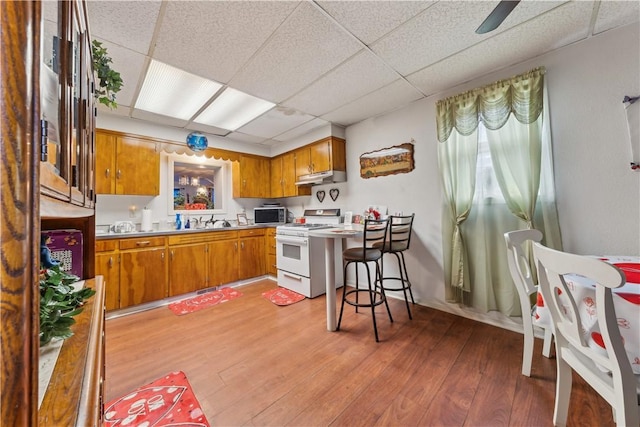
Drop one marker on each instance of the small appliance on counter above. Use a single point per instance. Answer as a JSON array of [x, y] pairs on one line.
[[270, 215], [122, 227]]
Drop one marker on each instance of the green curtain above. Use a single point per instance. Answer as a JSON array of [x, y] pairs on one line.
[[513, 113], [457, 161]]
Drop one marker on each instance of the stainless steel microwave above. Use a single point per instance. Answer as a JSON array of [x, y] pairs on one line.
[[270, 214]]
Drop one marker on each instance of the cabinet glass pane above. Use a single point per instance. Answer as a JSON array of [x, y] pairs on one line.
[[50, 82]]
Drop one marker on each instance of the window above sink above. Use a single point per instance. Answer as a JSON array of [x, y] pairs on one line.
[[196, 185]]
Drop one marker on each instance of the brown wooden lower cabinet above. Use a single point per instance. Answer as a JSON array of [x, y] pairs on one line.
[[270, 251], [187, 268], [146, 269], [74, 395]]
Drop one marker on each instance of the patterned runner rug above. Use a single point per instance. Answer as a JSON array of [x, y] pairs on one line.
[[203, 301], [282, 296], [167, 401]]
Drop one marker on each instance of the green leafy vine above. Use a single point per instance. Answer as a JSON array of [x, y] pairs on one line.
[[109, 80]]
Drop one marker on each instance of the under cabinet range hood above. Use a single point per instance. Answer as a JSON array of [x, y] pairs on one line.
[[326, 177]]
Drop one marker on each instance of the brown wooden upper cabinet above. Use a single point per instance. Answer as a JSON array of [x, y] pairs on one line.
[[251, 177], [283, 177], [321, 156], [126, 165]]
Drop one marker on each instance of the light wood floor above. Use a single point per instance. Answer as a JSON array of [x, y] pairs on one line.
[[252, 363]]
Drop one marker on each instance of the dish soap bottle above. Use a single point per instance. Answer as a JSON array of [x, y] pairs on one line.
[[188, 223], [178, 222]]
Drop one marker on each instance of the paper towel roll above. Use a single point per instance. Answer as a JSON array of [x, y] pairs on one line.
[[146, 220]]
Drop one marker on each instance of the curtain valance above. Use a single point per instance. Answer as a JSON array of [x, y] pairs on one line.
[[521, 95]]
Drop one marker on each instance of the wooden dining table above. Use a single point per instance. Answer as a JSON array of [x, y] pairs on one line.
[[626, 301]]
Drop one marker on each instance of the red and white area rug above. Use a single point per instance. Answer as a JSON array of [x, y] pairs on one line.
[[282, 296], [168, 401], [203, 301]]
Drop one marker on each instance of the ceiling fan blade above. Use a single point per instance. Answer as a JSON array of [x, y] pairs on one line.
[[495, 18]]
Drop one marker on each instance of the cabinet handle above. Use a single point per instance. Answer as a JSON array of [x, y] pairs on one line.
[[143, 243], [242, 245], [110, 263], [118, 174], [171, 254], [235, 245], [107, 172], [162, 256]]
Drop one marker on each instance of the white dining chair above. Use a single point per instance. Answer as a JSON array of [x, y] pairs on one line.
[[608, 372], [526, 285]]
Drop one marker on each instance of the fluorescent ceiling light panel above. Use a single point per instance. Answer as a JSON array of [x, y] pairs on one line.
[[172, 92], [232, 109]]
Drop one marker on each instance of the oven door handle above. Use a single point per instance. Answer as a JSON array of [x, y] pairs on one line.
[[292, 240]]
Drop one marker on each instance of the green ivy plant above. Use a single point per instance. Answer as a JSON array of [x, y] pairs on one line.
[[109, 81], [59, 303]]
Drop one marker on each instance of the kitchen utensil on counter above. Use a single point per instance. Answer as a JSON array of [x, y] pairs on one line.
[[122, 227]]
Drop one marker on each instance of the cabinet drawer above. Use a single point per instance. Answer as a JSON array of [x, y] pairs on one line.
[[143, 242], [106, 245], [251, 233]]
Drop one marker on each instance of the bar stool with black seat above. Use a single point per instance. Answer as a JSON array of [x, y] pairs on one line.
[[375, 231], [400, 227]]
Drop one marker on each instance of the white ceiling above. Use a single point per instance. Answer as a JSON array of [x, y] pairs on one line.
[[332, 61]]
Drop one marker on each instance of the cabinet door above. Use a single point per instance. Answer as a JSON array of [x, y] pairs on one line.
[[277, 180], [303, 161], [137, 167], [251, 177], [270, 250], [187, 268], [107, 265], [105, 163], [143, 276], [251, 257], [223, 262], [321, 156]]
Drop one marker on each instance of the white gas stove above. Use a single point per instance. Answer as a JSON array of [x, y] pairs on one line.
[[300, 258], [315, 219]]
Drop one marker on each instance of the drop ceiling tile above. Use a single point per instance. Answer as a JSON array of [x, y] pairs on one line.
[[370, 20], [130, 24], [613, 14], [208, 129], [561, 26], [214, 39], [275, 121], [356, 77], [243, 137], [305, 47], [158, 118], [445, 29], [300, 130], [130, 65], [388, 98]]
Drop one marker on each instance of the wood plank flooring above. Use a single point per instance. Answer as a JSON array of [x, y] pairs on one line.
[[252, 363]]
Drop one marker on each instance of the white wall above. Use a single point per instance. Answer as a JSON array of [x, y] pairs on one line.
[[598, 194]]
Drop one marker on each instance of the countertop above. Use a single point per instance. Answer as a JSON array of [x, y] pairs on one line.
[[106, 236]]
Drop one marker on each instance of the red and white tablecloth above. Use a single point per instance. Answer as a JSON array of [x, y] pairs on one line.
[[626, 301]]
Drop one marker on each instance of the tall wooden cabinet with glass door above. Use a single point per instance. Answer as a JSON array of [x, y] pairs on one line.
[[67, 105]]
